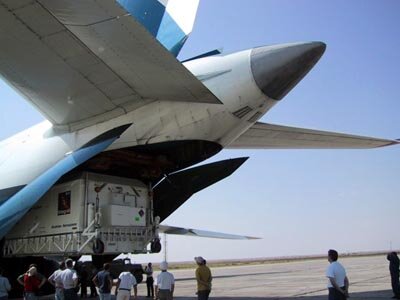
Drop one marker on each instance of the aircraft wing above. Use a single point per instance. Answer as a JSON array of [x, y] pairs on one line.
[[270, 136], [203, 233], [85, 62]]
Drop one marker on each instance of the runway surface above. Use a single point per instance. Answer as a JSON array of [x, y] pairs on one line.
[[369, 279]]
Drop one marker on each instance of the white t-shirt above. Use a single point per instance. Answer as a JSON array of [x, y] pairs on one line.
[[67, 278], [165, 280], [52, 277], [337, 272], [127, 280]]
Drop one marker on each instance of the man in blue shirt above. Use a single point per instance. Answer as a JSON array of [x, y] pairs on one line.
[[103, 281]]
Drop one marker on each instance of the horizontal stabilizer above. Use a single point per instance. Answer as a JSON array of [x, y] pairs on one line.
[[178, 187], [270, 136], [203, 233], [207, 54]]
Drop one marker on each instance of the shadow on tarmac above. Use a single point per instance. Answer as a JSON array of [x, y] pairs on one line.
[[371, 295], [234, 275]]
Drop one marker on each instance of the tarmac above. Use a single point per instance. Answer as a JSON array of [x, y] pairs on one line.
[[369, 279]]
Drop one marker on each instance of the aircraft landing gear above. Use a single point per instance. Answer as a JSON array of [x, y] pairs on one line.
[[155, 246]]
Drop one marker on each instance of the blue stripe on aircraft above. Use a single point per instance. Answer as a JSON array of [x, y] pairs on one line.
[[153, 16], [170, 35], [148, 12], [12, 210]]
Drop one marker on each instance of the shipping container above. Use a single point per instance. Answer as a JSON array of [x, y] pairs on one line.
[[88, 214]]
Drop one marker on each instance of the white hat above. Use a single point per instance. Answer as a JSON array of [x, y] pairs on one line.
[[200, 260], [164, 266]]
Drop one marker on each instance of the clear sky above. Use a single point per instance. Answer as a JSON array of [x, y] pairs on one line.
[[299, 201]]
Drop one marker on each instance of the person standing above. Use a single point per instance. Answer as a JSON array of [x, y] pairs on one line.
[[5, 286], [103, 281], [394, 273], [32, 281], [59, 295], [69, 280], [338, 283], [84, 278], [204, 278], [124, 285], [93, 291], [165, 283], [149, 280]]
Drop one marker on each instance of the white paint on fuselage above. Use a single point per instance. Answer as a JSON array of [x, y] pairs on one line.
[[29, 153]]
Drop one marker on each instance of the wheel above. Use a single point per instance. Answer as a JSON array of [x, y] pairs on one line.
[[98, 246], [155, 246]]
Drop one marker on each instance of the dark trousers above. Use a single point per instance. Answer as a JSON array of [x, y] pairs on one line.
[[334, 294], [395, 283], [83, 289], [164, 295], [70, 294], [203, 295], [150, 287]]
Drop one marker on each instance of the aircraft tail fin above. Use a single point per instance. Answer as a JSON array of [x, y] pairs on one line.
[[169, 21]]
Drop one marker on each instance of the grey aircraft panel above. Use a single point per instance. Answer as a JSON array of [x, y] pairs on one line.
[[80, 63], [203, 233], [270, 136]]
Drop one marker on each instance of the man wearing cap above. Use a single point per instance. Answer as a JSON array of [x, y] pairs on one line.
[[69, 280], [165, 283], [124, 285], [204, 278], [32, 281]]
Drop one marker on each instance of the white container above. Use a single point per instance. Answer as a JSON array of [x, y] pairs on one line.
[[73, 213]]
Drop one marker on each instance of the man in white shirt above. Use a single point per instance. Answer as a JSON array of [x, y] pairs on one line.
[[59, 295], [338, 284], [69, 280], [165, 283], [124, 285]]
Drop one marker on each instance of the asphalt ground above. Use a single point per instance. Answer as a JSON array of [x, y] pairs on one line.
[[369, 279]]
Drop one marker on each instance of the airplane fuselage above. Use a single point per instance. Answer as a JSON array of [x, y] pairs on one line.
[[29, 153]]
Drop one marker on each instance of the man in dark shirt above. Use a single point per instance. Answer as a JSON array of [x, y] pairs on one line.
[[394, 273], [103, 281]]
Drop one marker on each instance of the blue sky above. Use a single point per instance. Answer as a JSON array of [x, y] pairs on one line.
[[298, 201]]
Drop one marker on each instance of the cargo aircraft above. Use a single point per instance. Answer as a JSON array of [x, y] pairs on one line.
[[125, 121]]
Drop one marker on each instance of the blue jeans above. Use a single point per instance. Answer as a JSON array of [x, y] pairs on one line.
[[30, 296], [104, 296], [59, 295]]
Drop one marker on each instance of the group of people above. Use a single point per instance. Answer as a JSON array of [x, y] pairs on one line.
[[165, 281], [65, 281]]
